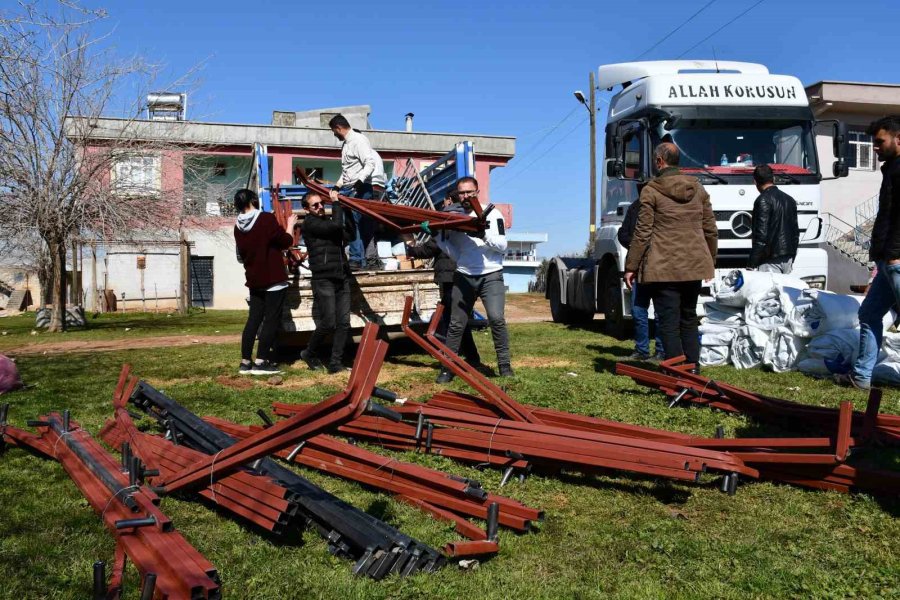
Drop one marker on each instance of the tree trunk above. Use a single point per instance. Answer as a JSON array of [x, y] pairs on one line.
[[58, 312], [45, 279]]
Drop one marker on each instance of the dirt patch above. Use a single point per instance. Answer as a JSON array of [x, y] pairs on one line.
[[524, 308], [120, 344], [542, 363]]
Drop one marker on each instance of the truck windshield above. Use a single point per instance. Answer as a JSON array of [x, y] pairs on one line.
[[734, 147]]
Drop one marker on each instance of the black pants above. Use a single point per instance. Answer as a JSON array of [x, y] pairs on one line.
[[467, 347], [265, 309], [331, 313], [675, 303], [467, 289]]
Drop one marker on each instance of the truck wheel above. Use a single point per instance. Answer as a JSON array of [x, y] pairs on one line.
[[559, 311], [613, 319]]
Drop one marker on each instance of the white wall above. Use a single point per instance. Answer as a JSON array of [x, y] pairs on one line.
[[229, 291], [160, 277]]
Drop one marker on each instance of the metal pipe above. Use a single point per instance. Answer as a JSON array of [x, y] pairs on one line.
[[135, 523], [149, 587], [99, 580], [493, 521]]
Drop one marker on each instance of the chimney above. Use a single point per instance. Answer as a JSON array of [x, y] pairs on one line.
[[409, 118]]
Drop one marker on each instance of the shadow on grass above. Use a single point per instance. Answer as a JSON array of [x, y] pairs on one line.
[[661, 490]]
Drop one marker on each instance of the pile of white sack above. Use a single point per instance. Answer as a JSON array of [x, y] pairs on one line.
[[778, 321]]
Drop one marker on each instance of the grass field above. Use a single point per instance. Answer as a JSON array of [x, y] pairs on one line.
[[603, 536]]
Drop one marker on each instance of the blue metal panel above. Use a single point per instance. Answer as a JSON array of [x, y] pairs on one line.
[[262, 170], [443, 174]]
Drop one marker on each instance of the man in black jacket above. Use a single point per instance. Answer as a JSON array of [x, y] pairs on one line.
[[776, 234], [444, 268], [640, 296], [325, 241], [884, 251]]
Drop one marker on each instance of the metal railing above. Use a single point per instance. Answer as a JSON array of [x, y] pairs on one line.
[[851, 240], [865, 212]]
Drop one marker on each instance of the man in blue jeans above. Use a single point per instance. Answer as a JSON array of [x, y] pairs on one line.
[[884, 251], [640, 296]]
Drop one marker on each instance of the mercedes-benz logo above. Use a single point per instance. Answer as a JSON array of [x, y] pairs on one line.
[[742, 224]]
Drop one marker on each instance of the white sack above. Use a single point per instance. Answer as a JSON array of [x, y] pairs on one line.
[[720, 314], [714, 356], [748, 347], [736, 288], [818, 311], [832, 352], [770, 310], [783, 350]]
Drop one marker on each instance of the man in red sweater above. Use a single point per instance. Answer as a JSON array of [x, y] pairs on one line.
[[260, 245]]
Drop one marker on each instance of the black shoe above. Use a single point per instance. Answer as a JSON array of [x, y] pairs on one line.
[[506, 371], [638, 356], [265, 367], [444, 376], [355, 266], [336, 368], [245, 369], [311, 361], [694, 371]]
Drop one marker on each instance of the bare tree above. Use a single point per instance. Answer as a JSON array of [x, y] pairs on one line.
[[58, 182]]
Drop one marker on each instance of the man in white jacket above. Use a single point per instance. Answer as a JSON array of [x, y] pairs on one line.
[[479, 274], [362, 176]]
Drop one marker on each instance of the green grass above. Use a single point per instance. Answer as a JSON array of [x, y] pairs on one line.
[[17, 331], [603, 536]]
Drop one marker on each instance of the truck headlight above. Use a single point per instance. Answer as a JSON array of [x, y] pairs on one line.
[[816, 282]]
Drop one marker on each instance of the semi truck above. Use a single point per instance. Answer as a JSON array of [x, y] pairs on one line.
[[725, 117]]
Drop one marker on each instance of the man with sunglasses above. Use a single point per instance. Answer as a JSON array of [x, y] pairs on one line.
[[325, 239], [479, 274]]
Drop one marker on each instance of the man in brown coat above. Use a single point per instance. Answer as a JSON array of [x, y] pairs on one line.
[[673, 250]]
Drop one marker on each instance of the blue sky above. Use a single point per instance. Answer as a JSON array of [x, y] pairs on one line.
[[489, 67]]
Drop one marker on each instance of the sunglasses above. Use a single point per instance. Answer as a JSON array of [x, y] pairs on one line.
[[312, 205]]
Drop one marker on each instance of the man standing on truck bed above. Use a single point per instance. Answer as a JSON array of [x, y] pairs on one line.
[[362, 176], [776, 234], [325, 240], [673, 250], [444, 269], [884, 251], [260, 242], [479, 274]]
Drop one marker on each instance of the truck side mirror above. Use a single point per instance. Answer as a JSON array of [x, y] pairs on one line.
[[840, 168], [839, 140], [615, 169]]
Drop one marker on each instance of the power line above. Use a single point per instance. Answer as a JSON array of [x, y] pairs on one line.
[[721, 28], [543, 154], [668, 35], [545, 136]]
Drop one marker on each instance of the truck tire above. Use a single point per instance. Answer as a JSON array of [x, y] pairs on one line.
[[611, 285], [559, 311], [563, 313]]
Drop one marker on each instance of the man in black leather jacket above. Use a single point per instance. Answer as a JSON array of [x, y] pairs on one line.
[[776, 234]]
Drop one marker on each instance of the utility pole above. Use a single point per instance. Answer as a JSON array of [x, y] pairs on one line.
[[593, 119], [591, 105]]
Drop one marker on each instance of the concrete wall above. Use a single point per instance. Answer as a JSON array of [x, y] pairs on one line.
[[161, 276], [229, 291], [517, 279], [844, 272]]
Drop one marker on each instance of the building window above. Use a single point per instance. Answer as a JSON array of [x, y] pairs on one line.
[[137, 175], [861, 155], [220, 170]]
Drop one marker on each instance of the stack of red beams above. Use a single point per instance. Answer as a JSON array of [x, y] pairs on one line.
[[445, 497], [820, 462], [169, 566], [250, 496], [403, 219], [678, 382], [342, 407], [520, 436]]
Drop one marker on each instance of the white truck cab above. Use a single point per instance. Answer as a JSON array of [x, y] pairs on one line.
[[726, 118]]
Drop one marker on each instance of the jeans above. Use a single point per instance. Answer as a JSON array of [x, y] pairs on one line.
[[490, 288], [362, 249], [331, 314], [467, 347], [778, 264], [676, 316], [884, 293], [640, 303], [265, 309]]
